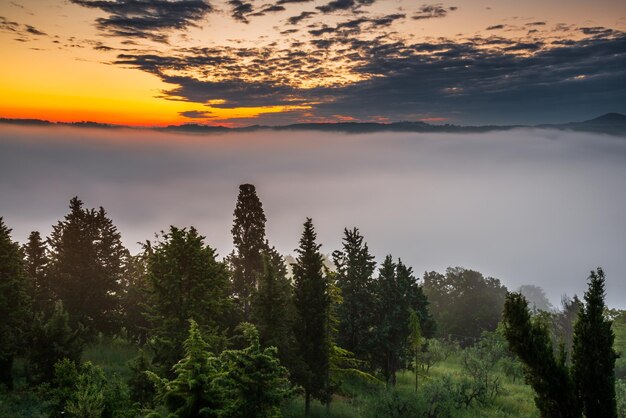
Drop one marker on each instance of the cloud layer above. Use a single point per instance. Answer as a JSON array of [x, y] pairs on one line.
[[527, 206]]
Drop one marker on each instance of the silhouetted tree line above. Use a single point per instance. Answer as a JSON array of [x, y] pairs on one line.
[[235, 337]]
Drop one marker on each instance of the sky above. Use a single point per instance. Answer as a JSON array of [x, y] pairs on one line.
[[527, 206], [275, 62]]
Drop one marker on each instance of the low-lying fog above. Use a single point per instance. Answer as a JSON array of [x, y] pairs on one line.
[[527, 206]]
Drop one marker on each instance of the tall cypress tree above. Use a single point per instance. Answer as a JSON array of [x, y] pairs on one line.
[[312, 308], [355, 267], [593, 356], [36, 262], [249, 240], [85, 267], [14, 303]]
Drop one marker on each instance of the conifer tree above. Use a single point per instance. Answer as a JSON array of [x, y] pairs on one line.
[[86, 265], [14, 303], [36, 262], [593, 356], [185, 281], [193, 392], [397, 294], [249, 241], [547, 374], [254, 382], [311, 325], [272, 308], [355, 267], [52, 340]]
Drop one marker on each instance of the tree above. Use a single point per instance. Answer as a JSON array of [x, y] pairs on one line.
[[355, 267], [415, 340], [311, 325], [192, 392], [35, 263], [254, 382], [185, 281], [397, 294], [52, 340], [249, 240], [548, 375], [464, 303], [86, 266], [14, 303], [593, 356], [565, 320], [134, 297], [536, 297], [272, 308]]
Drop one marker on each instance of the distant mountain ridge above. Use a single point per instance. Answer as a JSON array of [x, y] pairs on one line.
[[610, 123]]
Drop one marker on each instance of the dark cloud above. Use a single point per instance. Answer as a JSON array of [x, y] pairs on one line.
[[34, 31], [147, 18], [433, 11], [239, 10], [292, 1], [294, 20], [339, 5], [8, 25], [536, 24], [195, 114], [495, 27]]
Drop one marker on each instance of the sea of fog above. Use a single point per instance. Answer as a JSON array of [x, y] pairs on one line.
[[526, 206]]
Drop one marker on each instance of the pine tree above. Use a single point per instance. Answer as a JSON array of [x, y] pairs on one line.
[[14, 303], [415, 341], [185, 282], [547, 374], [254, 382], [193, 392], [355, 267], [272, 308], [593, 356], [249, 240], [311, 325], [134, 298], [86, 265], [36, 262], [52, 340]]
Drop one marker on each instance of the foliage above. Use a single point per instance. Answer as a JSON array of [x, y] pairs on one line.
[[248, 232], [593, 356], [185, 281], [193, 391], [464, 303], [86, 392], [14, 303], [480, 363], [253, 380], [355, 267], [311, 327], [239, 383], [620, 395], [134, 298], [35, 265], [273, 310], [52, 340], [141, 386], [547, 374], [86, 266], [397, 294]]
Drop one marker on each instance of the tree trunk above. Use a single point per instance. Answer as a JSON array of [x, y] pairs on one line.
[[6, 367], [307, 403]]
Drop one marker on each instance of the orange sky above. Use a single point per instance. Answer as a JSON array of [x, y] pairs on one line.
[[64, 74]]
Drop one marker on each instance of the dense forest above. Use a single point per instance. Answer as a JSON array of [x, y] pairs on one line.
[[89, 330]]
